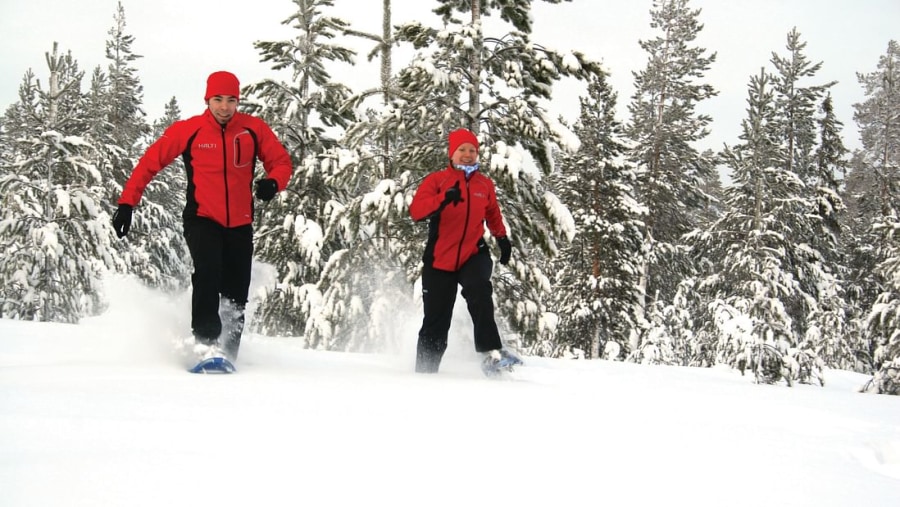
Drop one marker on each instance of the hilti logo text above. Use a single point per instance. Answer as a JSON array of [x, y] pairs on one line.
[[206, 146]]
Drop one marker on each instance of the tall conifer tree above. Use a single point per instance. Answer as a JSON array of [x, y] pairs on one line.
[[878, 118], [303, 112], [811, 216], [664, 127], [596, 287], [748, 247]]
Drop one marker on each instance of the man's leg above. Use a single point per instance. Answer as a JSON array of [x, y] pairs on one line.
[[438, 298], [237, 263], [205, 242]]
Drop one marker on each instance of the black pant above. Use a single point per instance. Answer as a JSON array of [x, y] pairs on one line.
[[222, 260], [439, 296]]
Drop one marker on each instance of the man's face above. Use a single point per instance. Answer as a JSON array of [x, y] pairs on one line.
[[223, 107]]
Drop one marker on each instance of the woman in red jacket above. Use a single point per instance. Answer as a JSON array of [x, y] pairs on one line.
[[220, 148], [458, 201]]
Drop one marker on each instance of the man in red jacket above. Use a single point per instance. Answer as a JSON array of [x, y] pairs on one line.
[[458, 201], [219, 148]]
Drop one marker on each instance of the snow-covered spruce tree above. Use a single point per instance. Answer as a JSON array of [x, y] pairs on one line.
[[494, 86], [124, 98], [673, 329], [878, 118], [870, 187], [54, 234], [831, 332], [155, 250], [595, 277], [748, 281], [290, 229], [816, 308], [364, 288], [663, 127], [677, 329], [861, 244], [884, 317]]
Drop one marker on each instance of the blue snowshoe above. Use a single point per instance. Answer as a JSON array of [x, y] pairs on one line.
[[212, 359], [214, 365], [496, 362]]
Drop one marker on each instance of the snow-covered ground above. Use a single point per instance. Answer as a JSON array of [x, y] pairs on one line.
[[104, 414]]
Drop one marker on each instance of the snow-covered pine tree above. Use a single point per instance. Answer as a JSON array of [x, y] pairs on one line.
[[861, 244], [677, 329], [154, 250], [54, 234], [747, 249], [494, 86], [816, 308], [595, 280], [884, 317], [366, 281], [663, 127], [125, 95], [878, 118], [831, 332], [304, 113]]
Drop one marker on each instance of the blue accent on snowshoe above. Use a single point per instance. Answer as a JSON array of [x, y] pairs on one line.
[[506, 362], [214, 365]]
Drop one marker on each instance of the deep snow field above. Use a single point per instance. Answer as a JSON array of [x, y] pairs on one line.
[[104, 414]]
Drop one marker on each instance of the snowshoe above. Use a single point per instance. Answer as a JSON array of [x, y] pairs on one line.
[[212, 359], [498, 361]]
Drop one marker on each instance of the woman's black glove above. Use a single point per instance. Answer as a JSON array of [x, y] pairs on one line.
[[122, 220], [505, 249], [453, 194]]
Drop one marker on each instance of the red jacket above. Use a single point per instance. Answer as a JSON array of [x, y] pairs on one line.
[[455, 232], [219, 161]]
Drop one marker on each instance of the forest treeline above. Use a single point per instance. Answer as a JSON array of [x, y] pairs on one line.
[[626, 244]]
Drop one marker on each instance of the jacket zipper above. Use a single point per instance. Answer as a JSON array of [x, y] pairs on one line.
[[465, 224], [225, 177]]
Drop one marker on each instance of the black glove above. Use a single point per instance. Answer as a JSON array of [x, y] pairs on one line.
[[266, 189], [122, 220], [505, 249], [453, 194]]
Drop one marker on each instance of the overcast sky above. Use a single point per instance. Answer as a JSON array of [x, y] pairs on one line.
[[183, 41]]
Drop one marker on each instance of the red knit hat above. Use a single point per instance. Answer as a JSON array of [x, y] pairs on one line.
[[222, 83], [459, 137]]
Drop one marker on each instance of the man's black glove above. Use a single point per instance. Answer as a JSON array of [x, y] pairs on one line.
[[505, 249], [122, 220], [453, 194], [266, 189]]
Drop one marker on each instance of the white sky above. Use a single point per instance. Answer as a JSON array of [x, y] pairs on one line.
[[182, 42], [103, 414]]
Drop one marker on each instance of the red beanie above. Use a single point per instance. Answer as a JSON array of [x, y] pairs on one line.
[[458, 138], [222, 83]]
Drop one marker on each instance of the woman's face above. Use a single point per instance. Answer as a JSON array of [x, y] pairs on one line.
[[466, 154]]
